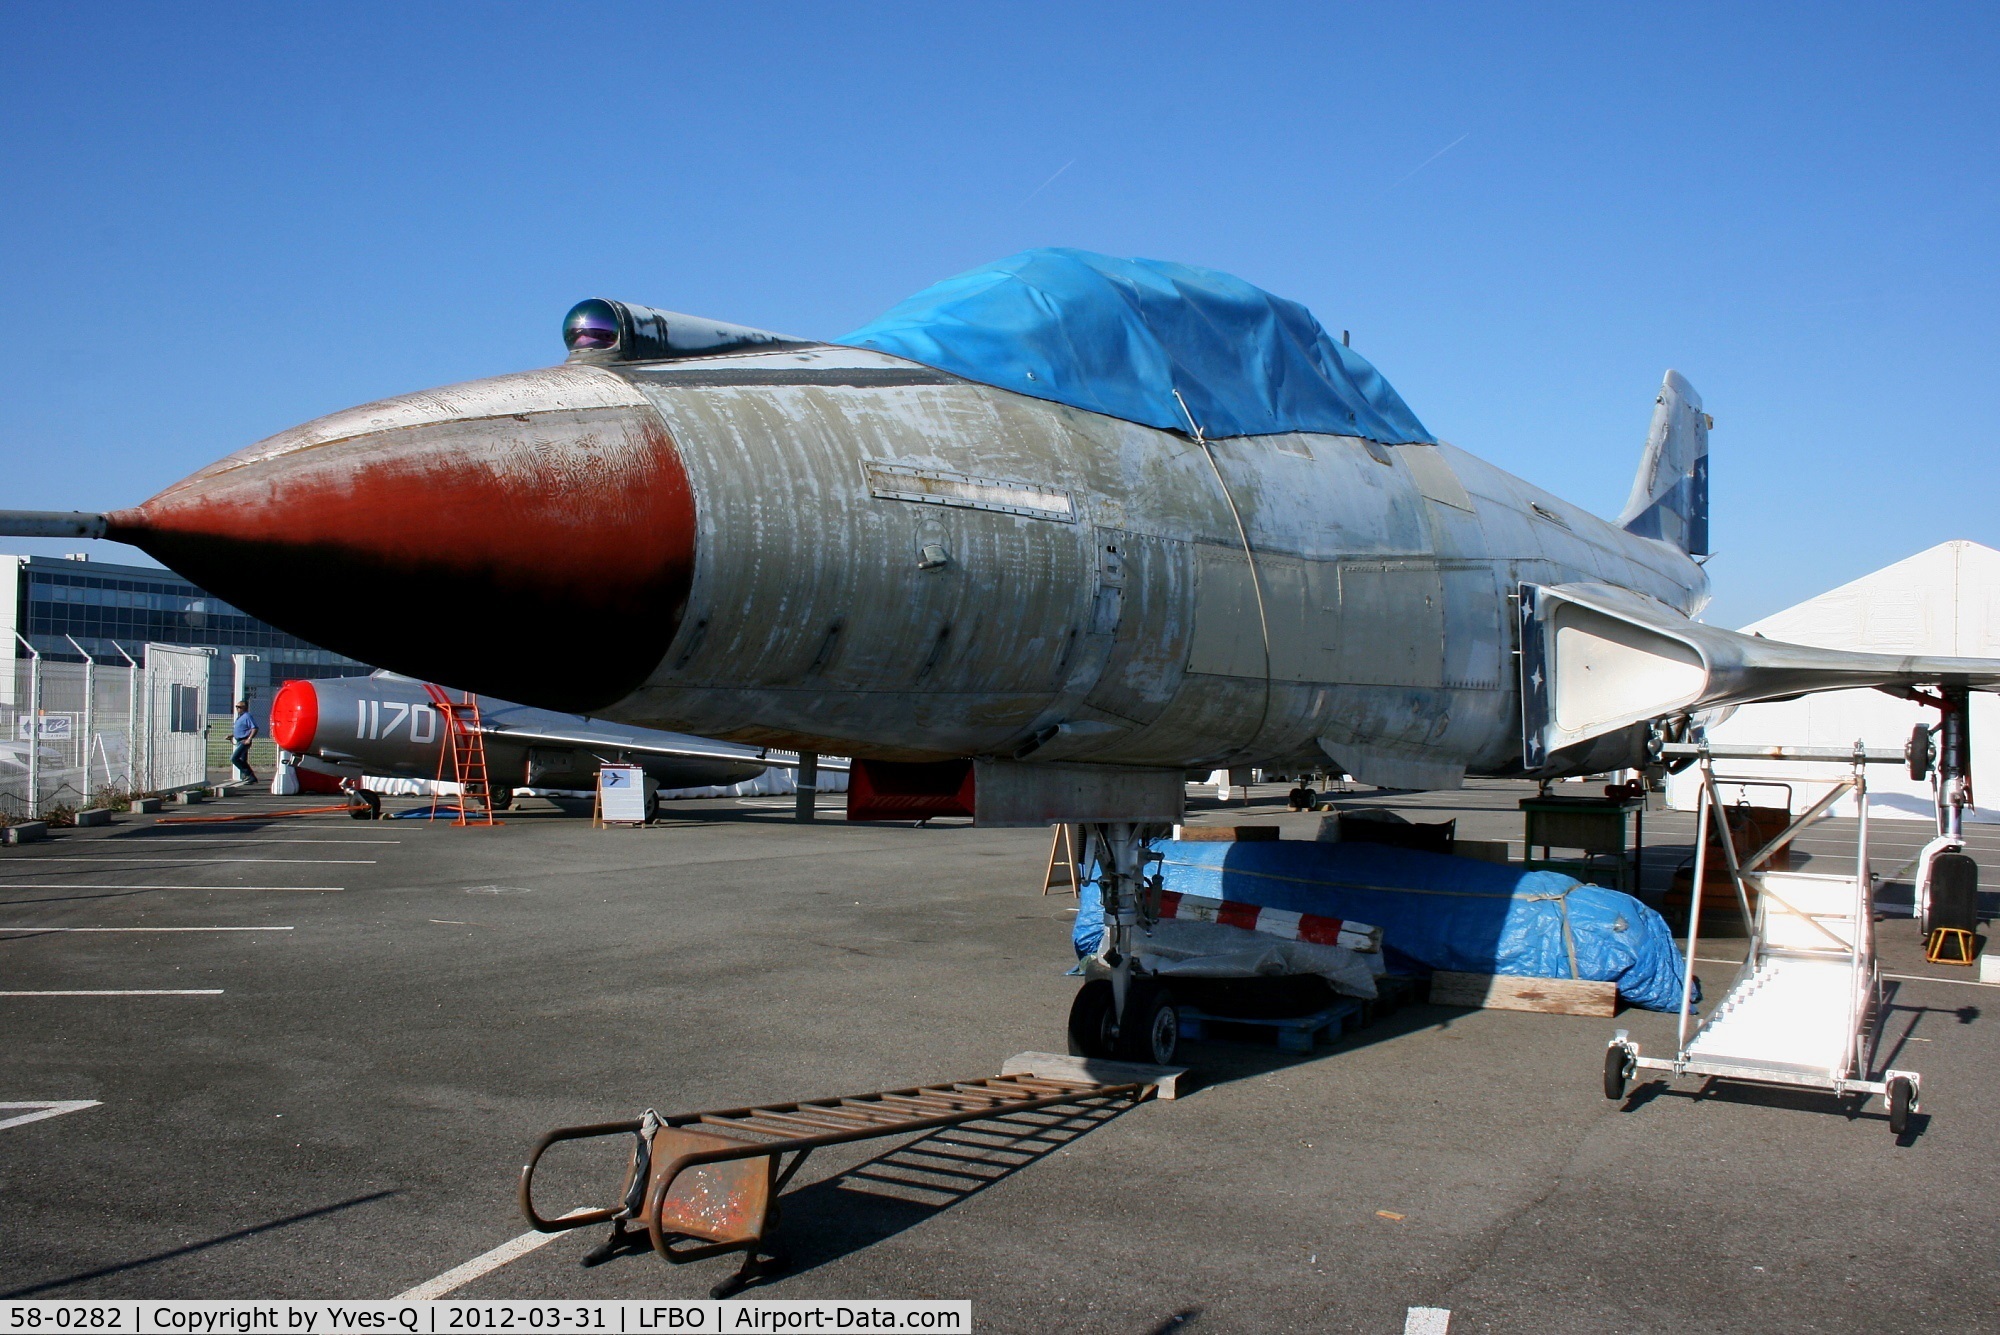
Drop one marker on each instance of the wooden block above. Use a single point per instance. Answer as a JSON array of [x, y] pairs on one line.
[[1499, 991], [1224, 834], [1060, 1066]]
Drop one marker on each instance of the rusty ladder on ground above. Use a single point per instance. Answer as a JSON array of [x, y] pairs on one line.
[[706, 1183], [464, 750]]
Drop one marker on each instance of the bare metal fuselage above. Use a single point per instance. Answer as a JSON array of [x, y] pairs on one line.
[[1370, 622], [837, 550]]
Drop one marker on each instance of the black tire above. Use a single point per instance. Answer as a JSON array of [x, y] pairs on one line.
[[1954, 900], [1614, 1073], [1920, 752], [1902, 1094], [1151, 1032], [1090, 1016]]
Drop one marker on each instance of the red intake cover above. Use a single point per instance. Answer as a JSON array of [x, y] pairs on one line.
[[295, 716]]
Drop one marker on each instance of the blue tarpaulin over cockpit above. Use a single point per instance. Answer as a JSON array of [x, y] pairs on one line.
[[1119, 337]]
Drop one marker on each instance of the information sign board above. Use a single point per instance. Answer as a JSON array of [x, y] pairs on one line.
[[621, 795]]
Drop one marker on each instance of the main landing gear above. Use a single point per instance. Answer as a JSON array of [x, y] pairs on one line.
[[1947, 885]]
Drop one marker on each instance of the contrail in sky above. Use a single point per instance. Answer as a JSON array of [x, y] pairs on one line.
[[1051, 181], [1414, 170]]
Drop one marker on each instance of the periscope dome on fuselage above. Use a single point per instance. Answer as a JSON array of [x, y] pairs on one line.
[[1167, 345]]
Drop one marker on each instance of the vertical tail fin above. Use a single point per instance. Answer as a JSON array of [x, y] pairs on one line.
[[1670, 496]]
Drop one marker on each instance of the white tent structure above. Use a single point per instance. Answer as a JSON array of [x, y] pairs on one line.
[[1942, 601]]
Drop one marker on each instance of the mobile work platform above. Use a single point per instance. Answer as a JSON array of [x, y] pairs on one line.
[[1806, 1008]]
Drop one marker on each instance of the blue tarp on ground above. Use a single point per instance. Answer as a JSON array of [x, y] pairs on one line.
[[1445, 912], [1120, 336]]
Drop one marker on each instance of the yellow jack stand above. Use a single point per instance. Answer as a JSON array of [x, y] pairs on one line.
[[1950, 945]]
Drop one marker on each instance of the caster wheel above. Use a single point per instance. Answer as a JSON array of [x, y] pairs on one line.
[[1090, 1017], [1616, 1060], [1152, 1029], [1902, 1098]]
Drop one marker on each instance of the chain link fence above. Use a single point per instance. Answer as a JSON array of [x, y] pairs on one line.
[[70, 737]]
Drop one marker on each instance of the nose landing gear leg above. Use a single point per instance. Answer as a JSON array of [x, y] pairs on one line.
[[1121, 1012]]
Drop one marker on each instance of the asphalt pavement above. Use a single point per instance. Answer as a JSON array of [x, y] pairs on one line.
[[325, 1086]]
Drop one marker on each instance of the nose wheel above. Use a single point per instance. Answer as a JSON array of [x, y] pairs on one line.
[[1092, 1032], [1150, 1031]]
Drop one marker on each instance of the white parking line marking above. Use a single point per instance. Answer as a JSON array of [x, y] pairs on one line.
[[460, 1275], [51, 885], [123, 992], [1927, 978], [45, 1108], [1848, 844], [1427, 1321], [202, 862], [148, 929], [218, 839]]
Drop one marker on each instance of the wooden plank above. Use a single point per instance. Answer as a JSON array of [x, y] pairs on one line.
[[1225, 834], [1552, 996]]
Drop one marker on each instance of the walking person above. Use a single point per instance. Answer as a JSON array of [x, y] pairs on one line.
[[244, 731]]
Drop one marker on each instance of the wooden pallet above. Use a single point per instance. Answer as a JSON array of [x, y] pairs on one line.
[[1291, 1033]]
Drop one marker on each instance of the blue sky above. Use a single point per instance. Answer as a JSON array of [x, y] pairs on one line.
[[217, 222]]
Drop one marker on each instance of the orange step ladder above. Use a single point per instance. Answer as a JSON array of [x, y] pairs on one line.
[[464, 750]]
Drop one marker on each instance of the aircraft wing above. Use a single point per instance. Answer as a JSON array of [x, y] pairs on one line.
[[647, 743], [1597, 659]]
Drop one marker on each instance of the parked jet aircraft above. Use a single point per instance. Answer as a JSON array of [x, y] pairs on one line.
[[386, 724], [1038, 541]]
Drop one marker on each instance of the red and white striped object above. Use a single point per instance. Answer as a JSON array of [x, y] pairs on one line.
[[1311, 927]]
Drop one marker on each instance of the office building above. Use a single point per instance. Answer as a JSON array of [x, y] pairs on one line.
[[106, 608]]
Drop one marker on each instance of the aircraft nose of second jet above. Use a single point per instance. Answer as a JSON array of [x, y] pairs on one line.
[[295, 716], [530, 536]]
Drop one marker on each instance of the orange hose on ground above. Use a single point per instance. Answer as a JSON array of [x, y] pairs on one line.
[[249, 815]]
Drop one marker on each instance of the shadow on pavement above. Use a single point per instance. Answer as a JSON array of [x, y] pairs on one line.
[[193, 1247], [1850, 1106], [902, 1187]]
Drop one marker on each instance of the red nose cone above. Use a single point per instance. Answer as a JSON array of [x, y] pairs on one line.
[[530, 537], [295, 716]]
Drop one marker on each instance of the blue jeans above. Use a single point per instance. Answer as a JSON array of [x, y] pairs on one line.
[[240, 759]]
